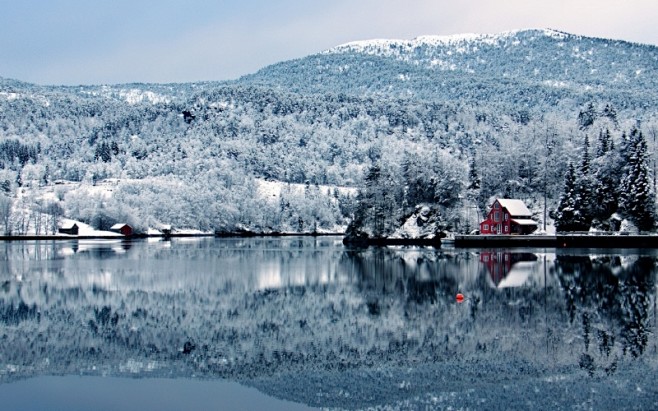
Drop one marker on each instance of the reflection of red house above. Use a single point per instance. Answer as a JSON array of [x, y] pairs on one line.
[[508, 217], [124, 229], [501, 263]]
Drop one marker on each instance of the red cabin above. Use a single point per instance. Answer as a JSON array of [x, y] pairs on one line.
[[124, 229], [508, 217]]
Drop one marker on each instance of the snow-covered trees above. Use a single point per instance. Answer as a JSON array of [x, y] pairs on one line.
[[605, 172], [438, 135], [638, 198], [616, 180], [572, 212], [380, 203], [5, 213]]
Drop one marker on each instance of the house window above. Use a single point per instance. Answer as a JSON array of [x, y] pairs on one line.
[[497, 216], [496, 205], [506, 216], [485, 227], [507, 229]]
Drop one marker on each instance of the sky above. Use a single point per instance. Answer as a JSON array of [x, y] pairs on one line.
[[72, 42]]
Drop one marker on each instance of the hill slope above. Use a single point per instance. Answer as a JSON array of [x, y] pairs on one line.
[[532, 68], [429, 111]]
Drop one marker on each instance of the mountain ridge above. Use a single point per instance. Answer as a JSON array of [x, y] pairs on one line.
[[457, 38], [466, 67], [445, 40]]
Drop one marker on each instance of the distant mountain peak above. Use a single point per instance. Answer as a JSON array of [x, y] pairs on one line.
[[382, 46]]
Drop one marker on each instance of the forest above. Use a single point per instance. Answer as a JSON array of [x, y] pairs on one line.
[[353, 136]]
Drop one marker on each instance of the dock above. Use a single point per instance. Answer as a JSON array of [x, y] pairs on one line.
[[558, 241]]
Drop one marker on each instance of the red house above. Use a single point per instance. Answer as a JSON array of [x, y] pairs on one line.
[[508, 217], [124, 229]]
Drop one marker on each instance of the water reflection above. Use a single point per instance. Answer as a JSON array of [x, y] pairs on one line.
[[348, 328], [508, 269]]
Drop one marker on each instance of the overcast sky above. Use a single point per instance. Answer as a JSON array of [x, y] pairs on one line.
[[120, 41]]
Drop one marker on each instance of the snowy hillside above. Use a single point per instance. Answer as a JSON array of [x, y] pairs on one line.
[[447, 120], [547, 65]]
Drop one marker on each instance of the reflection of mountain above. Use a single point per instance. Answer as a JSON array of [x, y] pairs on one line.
[[347, 328], [508, 269]]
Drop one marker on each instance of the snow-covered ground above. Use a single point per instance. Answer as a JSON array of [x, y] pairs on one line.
[[271, 190], [86, 230]]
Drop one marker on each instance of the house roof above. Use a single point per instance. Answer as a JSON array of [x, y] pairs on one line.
[[119, 226], [516, 208], [521, 221], [68, 226]]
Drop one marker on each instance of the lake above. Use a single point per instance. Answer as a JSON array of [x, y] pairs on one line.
[[304, 323]]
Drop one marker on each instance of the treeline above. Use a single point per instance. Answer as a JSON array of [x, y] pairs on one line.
[[14, 154], [616, 182], [196, 161]]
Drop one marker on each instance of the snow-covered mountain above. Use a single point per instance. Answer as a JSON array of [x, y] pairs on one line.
[[479, 67], [464, 102]]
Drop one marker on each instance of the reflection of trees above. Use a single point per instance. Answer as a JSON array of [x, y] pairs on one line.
[[636, 287], [379, 307], [613, 300], [382, 272]]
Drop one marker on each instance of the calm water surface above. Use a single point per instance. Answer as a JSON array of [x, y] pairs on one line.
[[300, 323]]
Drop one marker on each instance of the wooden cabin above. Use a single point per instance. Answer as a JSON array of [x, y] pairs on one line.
[[508, 216], [121, 228], [70, 228]]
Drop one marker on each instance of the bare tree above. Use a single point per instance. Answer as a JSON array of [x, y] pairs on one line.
[[5, 213], [55, 212], [37, 215]]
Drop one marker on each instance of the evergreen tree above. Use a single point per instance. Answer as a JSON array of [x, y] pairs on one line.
[[638, 198], [584, 165], [379, 203], [610, 112], [473, 176], [606, 172], [585, 184], [571, 213], [605, 197], [587, 117], [605, 143], [417, 178]]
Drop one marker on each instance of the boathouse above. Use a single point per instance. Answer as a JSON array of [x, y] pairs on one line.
[[69, 228], [508, 216], [121, 228]]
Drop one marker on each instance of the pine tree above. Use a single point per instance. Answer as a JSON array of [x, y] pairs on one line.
[[610, 112], [379, 203], [584, 165], [606, 172], [638, 197], [605, 143], [585, 184], [571, 212], [473, 176], [587, 117]]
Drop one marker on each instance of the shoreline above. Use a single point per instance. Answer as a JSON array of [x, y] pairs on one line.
[[558, 241], [520, 241], [459, 241], [163, 236]]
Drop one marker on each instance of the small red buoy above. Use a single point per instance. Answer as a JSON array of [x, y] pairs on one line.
[[460, 297]]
